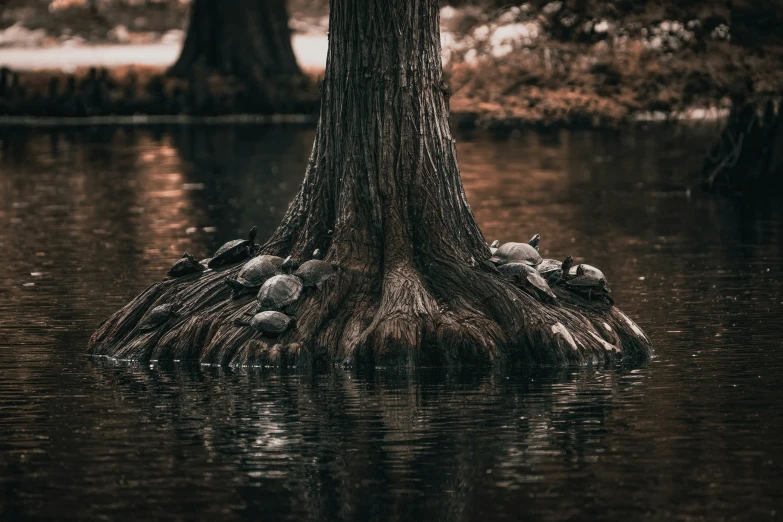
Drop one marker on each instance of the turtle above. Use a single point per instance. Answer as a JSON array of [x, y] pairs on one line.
[[552, 270], [516, 253], [534, 241], [586, 284], [588, 270], [254, 274], [186, 265], [278, 292], [494, 247], [269, 323], [234, 251], [528, 278], [315, 272], [157, 316]]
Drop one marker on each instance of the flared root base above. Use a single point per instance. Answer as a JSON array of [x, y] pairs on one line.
[[383, 199], [401, 323]]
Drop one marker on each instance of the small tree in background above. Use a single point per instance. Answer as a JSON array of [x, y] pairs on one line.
[[247, 39], [748, 156]]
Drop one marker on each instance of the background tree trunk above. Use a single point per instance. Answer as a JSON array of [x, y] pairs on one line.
[[247, 39], [383, 198], [749, 154]]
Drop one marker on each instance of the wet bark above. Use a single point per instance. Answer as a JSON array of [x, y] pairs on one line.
[[748, 156], [246, 39], [382, 196]]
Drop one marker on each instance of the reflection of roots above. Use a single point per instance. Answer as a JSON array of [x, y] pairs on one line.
[[450, 316]]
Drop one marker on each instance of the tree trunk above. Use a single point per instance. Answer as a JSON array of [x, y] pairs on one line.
[[382, 196], [247, 39], [748, 156]]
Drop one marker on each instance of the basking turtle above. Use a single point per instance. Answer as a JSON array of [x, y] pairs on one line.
[[549, 267], [516, 253], [552, 270], [528, 278], [534, 241], [156, 317], [254, 274], [185, 266], [269, 323], [315, 271], [585, 284], [234, 251], [494, 247], [279, 291], [587, 270]]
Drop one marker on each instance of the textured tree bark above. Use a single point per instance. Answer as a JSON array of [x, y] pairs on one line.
[[247, 39], [382, 196]]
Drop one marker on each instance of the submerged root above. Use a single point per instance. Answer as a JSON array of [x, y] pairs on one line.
[[454, 316]]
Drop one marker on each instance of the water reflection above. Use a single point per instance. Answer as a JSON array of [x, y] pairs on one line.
[[94, 215]]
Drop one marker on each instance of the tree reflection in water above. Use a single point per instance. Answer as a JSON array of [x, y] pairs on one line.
[[403, 446], [99, 213]]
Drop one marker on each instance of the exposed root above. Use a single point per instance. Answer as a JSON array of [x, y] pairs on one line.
[[383, 199], [406, 312], [473, 317]]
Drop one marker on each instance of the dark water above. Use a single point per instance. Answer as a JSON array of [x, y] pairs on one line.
[[89, 217]]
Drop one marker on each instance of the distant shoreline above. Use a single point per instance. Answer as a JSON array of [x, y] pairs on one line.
[[472, 106], [157, 119], [460, 120]]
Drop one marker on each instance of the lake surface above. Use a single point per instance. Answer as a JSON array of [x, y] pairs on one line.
[[90, 216]]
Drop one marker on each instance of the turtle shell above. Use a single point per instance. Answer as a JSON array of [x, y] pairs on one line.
[[528, 278], [588, 282], [512, 271], [583, 281], [541, 286], [516, 253], [584, 284], [156, 317], [549, 267], [258, 270], [588, 271], [231, 252], [185, 266], [234, 251], [551, 270], [270, 322], [315, 272], [279, 292]]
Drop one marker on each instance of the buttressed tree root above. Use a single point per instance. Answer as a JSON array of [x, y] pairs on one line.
[[382, 197]]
